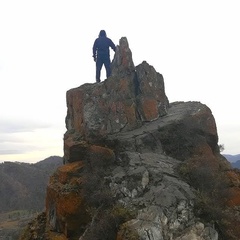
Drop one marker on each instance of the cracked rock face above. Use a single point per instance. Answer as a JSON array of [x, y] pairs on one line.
[[146, 177], [149, 183]]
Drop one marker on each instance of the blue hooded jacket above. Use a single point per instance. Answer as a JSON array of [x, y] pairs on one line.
[[101, 45]]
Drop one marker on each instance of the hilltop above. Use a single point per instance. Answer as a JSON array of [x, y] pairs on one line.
[[137, 166]]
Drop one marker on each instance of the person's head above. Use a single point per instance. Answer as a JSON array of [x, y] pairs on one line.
[[102, 33]]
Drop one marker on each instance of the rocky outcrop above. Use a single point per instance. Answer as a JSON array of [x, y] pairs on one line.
[[125, 101], [147, 178], [123, 149]]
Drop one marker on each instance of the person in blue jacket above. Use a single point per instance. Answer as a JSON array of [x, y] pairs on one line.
[[101, 54]]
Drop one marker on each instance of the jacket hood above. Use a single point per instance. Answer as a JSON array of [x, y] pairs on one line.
[[102, 33]]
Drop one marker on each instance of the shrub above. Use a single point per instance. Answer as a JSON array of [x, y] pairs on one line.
[[128, 233], [212, 193], [106, 213], [106, 222]]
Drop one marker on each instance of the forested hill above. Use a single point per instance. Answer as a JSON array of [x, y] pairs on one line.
[[23, 185]]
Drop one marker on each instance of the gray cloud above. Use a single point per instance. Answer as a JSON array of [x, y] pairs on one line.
[[18, 147], [10, 126], [28, 139], [12, 148], [11, 151], [13, 138]]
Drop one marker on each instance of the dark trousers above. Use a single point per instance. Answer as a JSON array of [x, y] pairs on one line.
[[99, 63]]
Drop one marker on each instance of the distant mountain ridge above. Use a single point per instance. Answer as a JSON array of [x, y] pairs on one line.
[[23, 185], [232, 158], [236, 164]]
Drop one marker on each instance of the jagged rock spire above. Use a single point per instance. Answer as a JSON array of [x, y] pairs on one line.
[[122, 64]]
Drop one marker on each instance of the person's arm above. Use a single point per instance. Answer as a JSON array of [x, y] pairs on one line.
[[94, 50], [112, 45]]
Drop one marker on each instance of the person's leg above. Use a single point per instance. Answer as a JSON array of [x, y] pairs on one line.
[[99, 64], [107, 65]]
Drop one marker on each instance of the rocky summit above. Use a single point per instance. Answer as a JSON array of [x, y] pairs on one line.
[[137, 166]]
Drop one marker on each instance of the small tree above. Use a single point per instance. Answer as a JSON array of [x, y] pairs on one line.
[[221, 147]]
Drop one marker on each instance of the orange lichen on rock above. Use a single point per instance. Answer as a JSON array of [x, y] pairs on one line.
[[64, 173], [130, 111], [65, 200], [69, 203], [150, 109], [101, 153]]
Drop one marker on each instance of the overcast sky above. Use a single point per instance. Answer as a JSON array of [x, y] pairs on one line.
[[46, 49]]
